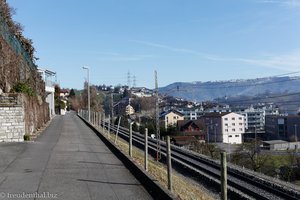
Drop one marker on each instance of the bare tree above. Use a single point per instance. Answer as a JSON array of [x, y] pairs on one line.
[[257, 160]]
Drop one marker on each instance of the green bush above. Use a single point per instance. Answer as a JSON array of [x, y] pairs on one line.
[[21, 87]]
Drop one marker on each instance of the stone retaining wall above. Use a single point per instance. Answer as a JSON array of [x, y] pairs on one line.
[[21, 114], [12, 124]]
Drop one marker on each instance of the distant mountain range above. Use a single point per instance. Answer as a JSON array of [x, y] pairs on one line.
[[204, 91]]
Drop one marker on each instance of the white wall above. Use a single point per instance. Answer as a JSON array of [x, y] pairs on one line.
[[233, 127], [50, 100]]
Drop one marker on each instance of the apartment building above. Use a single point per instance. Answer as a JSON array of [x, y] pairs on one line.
[[225, 127], [283, 128], [170, 118]]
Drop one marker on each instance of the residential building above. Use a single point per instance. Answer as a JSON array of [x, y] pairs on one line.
[[225, 127], [141, 92], [49, 78], [219, 108], [170, 118], [194, 128], [283, 128], [64, 93], [129, 110], [191, 113], [255, 117]]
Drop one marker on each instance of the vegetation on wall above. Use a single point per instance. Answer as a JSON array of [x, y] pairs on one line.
[[22, 87], [16, 28]]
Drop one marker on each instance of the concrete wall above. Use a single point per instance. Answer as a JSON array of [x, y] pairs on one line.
[[12, 124]]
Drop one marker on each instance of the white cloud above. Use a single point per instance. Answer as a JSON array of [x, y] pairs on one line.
[[289, 61], [125, 57], [114, 56], [287, 3], [174, 49]]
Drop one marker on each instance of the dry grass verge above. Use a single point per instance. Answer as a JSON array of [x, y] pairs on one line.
[[183, 188]]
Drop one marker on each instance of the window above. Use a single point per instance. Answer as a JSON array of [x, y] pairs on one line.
[[226, 130], [233, 124], [241, 129], [233, 129], [237, 135], [226, 124], [174, 117], [225, 119], [240, 124], [230, 135], [233, 118]]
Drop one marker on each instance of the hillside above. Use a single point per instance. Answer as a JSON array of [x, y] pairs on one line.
[[202, 91]]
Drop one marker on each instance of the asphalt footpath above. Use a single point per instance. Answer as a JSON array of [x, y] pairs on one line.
[[68, 161]]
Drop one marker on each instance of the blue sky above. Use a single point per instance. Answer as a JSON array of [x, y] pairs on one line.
[[184, 40]]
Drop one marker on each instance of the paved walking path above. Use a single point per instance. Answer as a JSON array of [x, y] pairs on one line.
[[68, 161]]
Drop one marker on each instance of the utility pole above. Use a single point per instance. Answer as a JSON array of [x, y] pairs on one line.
[[296, 138], [112, 109], [88, 89], [157, 119], [146, 150], [256, 152], [130, 139]]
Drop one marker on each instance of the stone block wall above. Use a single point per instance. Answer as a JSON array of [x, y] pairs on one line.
[[21, 114], [12, 124]]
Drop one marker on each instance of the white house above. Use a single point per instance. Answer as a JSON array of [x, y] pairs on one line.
[[225, 127], [48, 77]]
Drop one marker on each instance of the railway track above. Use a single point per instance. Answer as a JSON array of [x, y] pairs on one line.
[[242, 183]]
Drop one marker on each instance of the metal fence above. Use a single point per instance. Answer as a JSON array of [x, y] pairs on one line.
[[14, 43]]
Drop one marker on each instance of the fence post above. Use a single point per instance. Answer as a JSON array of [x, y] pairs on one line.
[[130, 139], [99, 122], [169, 162], [223, 176], [118, 130], [103, 123], [146, 149], [108, 126], [94, 118]]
